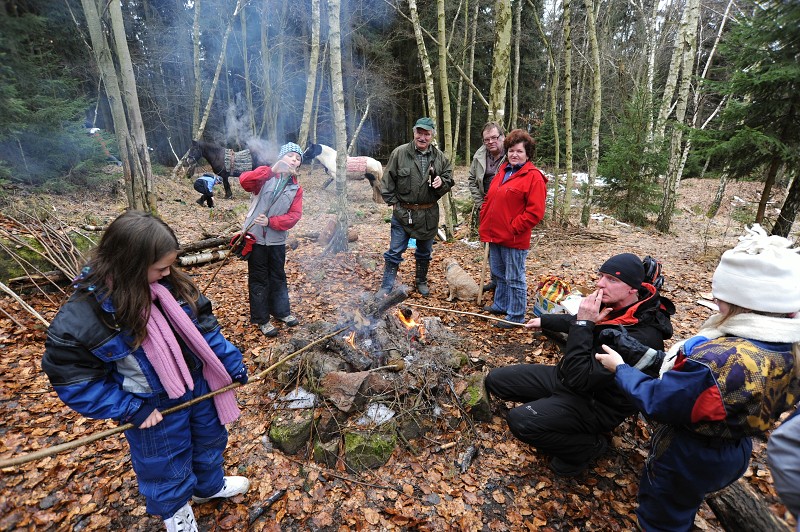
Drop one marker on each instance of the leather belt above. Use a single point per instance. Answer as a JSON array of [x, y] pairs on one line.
[[416, 206]]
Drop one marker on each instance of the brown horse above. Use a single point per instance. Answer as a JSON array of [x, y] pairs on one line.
[[223, 161]]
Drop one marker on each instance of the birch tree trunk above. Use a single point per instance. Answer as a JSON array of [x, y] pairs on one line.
[[447, 123], [675, 64], [198, 82], [791, 205], [132, 168], [676, 160], [430, 94], [248, 89], [339, 241], [569, 183], [596, 110], [553, 97], [142, 182], [460, 92], [501, 61], [313, 61], [468, 122], [517, 62], [223, 47]]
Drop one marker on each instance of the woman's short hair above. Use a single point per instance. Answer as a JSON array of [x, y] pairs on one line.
[[520, 135]]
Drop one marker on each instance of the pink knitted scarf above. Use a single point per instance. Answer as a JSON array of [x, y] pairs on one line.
[[164, 353]]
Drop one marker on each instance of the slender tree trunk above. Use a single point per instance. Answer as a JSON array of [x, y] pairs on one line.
[[596, 110], [672, 181], [430, 93], [791, 205], [339, 242], [143, 190], [468, 124], [517, 61], [566, 205], [553, 99], [672, 81], [248, 88], [449, 212], [207, 112], [354, 139], [198, 82], [313, 61], [723, 183], [136, 171], [459, 98], [501, 61]]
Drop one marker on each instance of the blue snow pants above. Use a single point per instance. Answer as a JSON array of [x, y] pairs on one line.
[[182, 455], [674, 484]]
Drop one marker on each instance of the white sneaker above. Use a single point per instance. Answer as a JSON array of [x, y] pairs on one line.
[[182, 521], [233, 486]]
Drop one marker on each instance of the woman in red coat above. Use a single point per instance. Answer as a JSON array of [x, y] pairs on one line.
[[513, 206]]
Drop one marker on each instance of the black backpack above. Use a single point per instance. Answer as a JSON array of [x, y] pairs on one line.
[[652, 272]]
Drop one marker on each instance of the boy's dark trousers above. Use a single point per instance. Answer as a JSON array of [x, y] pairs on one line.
[[206, 197]]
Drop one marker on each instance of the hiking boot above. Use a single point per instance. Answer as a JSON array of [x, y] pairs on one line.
[[568, 469], [421, 278], [503, 325], [490, 286], [182, 520], [289, 320], [268, 329], [200, 201], [389, 276], [231, 487], [210, 202]]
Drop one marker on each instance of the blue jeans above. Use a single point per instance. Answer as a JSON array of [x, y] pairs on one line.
[[508, 268], [266, 281], [399, 243], [182, 455]]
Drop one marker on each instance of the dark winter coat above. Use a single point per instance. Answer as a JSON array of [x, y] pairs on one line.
[[405, 184], [647, 320]]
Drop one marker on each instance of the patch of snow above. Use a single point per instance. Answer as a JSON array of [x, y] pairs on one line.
[[376, 413], [298, 398]]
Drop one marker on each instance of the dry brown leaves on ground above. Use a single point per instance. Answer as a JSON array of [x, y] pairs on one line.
[[507, 487]]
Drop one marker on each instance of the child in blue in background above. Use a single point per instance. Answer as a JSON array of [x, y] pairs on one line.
[[729, 382], [135, 338], [205, 185]]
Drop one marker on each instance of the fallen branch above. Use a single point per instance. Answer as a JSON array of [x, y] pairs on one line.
[[50, 451], [467, 313], [25, 306]]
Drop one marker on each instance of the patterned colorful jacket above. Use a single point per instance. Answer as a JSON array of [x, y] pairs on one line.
[[727, 387]]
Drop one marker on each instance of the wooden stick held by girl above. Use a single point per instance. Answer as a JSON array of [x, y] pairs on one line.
[[135, 338]]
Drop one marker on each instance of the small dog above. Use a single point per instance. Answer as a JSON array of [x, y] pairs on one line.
[[461, 285]]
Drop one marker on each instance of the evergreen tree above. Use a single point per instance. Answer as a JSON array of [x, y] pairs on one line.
[[761, 123]]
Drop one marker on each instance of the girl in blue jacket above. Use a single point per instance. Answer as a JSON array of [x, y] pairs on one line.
[[729, 382], [135, 338]]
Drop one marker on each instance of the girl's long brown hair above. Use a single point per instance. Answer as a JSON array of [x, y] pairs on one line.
[[118, 268]]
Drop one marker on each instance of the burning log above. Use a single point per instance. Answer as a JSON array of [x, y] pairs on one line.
[[349, 353], [377, 306]]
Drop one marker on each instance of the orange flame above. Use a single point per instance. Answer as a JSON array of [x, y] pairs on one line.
[[408, 322], [351, 339]]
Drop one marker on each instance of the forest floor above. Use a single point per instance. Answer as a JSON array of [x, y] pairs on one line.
[[507, 487]]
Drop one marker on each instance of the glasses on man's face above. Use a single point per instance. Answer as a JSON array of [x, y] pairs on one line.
[[487, 140]]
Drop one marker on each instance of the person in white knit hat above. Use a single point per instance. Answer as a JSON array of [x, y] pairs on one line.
[[729, 382]]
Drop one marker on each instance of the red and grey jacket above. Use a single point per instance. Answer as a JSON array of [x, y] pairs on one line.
[[512, 209], [647, 320]]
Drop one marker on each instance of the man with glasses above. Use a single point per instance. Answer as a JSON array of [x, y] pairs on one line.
[[485, 163]]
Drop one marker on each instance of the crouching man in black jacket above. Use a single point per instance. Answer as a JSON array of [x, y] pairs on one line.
[[567, 407]]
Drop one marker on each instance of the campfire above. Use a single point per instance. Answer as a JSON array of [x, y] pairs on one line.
[[386, 374]]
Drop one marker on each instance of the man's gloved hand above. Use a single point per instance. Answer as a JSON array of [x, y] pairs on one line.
[[241, 375], [634, 352]]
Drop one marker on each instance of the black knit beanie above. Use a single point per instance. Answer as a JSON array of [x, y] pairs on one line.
[[626, 267]]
